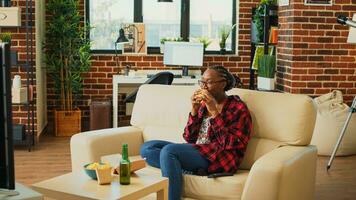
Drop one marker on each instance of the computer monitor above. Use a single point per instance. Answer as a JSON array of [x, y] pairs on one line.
[[183, 54]]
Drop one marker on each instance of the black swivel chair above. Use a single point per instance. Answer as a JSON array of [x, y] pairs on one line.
[[162, 78]]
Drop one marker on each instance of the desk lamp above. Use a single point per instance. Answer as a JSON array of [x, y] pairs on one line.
[[120, 40]]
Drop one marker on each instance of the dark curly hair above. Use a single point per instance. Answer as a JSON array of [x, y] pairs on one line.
[[231, 80]]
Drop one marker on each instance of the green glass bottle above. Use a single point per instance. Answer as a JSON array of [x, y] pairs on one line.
[[125, 172]]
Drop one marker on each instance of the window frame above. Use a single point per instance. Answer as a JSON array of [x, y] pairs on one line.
[[184, 27]]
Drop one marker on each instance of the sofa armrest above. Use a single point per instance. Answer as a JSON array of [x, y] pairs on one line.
[[89, 146], [284, 173]]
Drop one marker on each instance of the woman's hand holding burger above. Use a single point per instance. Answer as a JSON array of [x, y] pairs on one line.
[[200, 96], [196, 100], [210, 103]]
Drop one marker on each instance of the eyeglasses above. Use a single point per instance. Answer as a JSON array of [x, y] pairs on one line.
[[209, 83]]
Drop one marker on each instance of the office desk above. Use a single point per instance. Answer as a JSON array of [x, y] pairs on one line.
[[137, 81]]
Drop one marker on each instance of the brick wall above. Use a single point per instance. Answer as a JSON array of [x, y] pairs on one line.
[[98, 82], [18, 43], [313, 56]]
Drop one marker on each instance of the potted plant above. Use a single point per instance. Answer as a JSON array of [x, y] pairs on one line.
[[206, 42], [6, 37], [266, 71], [257, 22], [224, 33], [162, 41], [67, 56], [166, 39]]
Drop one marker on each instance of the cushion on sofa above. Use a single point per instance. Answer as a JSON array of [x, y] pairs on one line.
[[274, 113], [162, 106], [256, 148], [172, 134], [201, 187]]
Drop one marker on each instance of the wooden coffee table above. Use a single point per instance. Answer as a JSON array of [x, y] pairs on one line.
[[77, 185]]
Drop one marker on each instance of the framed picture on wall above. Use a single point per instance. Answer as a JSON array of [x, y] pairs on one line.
[[135, 34], [318, 2]]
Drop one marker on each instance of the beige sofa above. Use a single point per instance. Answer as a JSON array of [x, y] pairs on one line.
[[279, 162]]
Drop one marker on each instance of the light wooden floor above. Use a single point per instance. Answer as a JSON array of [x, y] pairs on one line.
[[51, 157]]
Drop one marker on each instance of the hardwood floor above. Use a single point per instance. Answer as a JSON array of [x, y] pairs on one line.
[[51, 157]]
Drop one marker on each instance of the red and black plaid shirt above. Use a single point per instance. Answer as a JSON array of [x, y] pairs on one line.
[[229, 133]]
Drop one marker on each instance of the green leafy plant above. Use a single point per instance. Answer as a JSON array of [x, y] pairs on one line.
[[6, 37], [267, 66], [67, 50], [205, 40], [167, 39], [224, 33], [163, 40], [258, 16]]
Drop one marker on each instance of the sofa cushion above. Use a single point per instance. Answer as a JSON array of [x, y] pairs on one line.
[[201, 187], [162, 105], [284, 117], [256, 148], [167, 133]]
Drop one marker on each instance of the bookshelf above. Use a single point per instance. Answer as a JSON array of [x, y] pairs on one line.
[[270, 22], [27, 66]]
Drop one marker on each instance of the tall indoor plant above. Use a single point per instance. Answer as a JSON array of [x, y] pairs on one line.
[[67, 53]]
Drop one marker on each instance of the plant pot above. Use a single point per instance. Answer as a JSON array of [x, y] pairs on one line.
[[222, 51], [265, 83], [67, 123]]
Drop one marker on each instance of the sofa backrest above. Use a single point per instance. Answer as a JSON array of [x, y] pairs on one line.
[[161, 111]]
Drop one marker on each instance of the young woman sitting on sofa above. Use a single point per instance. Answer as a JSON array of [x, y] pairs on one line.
[[217, 133]]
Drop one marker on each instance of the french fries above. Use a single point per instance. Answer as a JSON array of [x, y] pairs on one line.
[[96, 165]]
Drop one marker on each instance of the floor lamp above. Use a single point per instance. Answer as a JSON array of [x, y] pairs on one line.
[[351, 39]]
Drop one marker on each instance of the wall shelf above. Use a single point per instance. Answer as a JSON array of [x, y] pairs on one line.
[[27, 64], [268, 21]]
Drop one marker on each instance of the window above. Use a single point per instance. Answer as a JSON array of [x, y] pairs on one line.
[[207, 22], [106, 17], [188, 19], [161, 20]]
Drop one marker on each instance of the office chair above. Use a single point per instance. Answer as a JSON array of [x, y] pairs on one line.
[[162, 78]]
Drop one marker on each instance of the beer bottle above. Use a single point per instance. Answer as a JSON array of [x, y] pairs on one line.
[[125, 172]]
